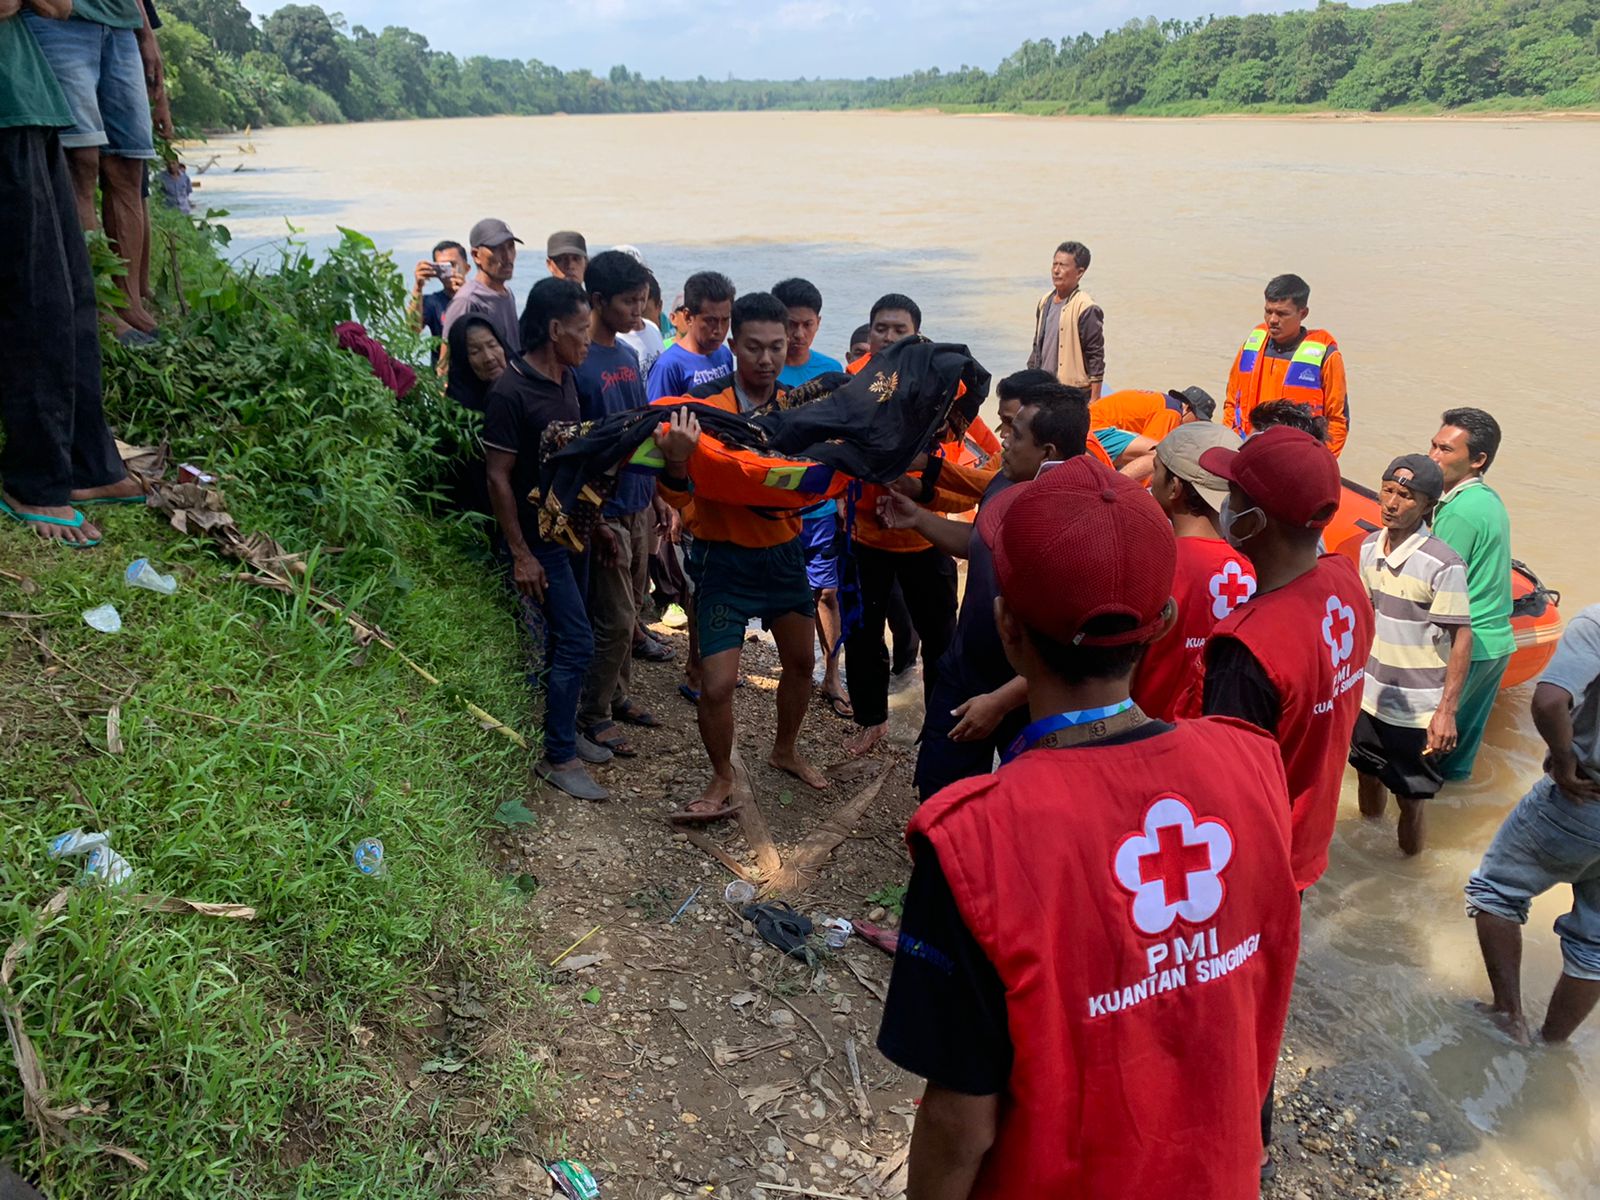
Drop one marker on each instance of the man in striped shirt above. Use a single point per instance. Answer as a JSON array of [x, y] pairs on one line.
[[1420, 654]]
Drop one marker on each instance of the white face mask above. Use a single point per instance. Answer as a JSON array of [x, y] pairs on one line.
[[1227, 519]]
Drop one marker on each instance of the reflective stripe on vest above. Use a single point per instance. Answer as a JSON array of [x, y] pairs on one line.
[[1251, 351], [1305, 368], [1302, 382]]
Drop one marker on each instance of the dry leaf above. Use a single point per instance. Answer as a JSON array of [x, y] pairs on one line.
[[114, 729]]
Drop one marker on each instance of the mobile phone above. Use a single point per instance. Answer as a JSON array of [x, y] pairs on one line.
[[444, 270]]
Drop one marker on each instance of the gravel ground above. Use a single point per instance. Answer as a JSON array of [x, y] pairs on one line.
[[697, 1061]]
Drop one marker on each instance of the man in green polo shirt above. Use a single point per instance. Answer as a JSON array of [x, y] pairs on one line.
[[1473, 520], [58, 453]]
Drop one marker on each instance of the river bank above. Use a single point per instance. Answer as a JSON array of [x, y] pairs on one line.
[[702, 1062]]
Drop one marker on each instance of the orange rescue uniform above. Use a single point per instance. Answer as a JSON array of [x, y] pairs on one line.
[[1149, 414], [1312, 374], [743, 525]]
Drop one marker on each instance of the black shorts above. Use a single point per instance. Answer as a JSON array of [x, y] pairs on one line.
[[1394, 754]]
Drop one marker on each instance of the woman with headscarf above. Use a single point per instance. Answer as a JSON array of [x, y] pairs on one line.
[[477, 358]]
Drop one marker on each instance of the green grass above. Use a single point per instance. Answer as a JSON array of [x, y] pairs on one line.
[[280, 1057], [224, 1050]]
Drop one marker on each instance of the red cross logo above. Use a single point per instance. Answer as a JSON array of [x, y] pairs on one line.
[[1172, 866], [1230, 587], [1339, 629], [1173, 863]]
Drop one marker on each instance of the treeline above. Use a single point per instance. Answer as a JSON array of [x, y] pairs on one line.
[[1444, 53], [302, 65]]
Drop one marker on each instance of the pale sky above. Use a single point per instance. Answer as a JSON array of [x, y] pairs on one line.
[[782, 39]]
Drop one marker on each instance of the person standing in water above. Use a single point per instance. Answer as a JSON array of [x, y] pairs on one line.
[[1420, 654], [1472, 518], [1552, 837]]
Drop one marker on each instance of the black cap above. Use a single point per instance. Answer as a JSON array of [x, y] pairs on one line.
[[491, 232], [1425, 479], [566, 241], [1198, 399]]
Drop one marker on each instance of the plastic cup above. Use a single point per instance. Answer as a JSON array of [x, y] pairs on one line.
[[140, 574], [105, 618], [739, 892], [368, 857]]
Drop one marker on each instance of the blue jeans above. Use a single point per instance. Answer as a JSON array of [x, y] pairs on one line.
[[1547, 839], [559, 644], [102, 76]]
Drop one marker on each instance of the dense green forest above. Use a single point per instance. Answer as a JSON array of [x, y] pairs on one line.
[[303, 65]]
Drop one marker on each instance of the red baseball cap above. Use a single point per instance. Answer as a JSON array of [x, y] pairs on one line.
[[1290, 474], [1081, 542]]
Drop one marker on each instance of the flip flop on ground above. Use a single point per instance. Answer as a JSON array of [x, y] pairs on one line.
[[608, 737], [630, 713], [689, 816], [76, 521]]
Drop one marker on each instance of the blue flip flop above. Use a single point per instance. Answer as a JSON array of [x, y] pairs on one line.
[[139, 499], [39, 519]]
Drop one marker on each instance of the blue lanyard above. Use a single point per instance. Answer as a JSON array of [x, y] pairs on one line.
[[1045, 726]]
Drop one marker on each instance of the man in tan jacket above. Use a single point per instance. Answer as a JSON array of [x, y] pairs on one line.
[[1068, 326]]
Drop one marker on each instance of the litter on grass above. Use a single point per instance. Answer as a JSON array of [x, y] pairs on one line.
[[105, 618], [140, 574], [101, 863], [368, 857]]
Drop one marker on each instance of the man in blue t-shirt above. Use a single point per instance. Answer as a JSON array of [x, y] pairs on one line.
[[448, 264], [701, 355], [609, 381], [819, 526]]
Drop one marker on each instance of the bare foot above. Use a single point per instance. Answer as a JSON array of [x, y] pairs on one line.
[[713, 804], [1513, 1025], [793, 764], [82, 534], [139, 317], [864, 741], [126, 486]]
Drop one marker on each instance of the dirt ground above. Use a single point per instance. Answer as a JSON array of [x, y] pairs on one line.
[[695, 1060]]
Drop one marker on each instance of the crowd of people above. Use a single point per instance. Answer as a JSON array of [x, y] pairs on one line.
[[1151, 641]]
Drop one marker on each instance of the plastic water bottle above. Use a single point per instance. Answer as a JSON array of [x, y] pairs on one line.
[[105, 618], [140, 574], [76, 842], [368, 857]]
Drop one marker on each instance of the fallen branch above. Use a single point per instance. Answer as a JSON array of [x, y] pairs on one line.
[[727, 1055], [865, 980], [367, 632], [739, 870], [753, 823], [771, 873], [863, 1108]]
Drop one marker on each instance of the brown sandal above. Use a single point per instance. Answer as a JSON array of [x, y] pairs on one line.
[[688, 816]]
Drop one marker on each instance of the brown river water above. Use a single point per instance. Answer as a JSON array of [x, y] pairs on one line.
[[1455, 261]]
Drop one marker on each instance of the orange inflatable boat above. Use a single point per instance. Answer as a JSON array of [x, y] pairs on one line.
[[1535, 615]]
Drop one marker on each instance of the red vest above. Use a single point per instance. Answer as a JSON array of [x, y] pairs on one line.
[[1137, 903], [1312, 638], [1212, 580]]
